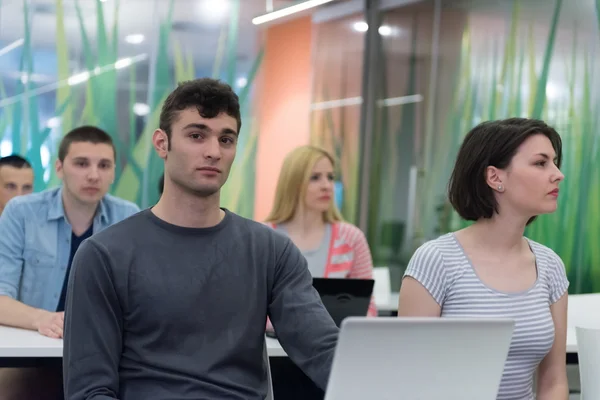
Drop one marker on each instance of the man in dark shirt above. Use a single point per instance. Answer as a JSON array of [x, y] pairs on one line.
[[172, 303]]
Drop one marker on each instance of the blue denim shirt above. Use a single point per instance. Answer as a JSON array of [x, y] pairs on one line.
[[35, 244]]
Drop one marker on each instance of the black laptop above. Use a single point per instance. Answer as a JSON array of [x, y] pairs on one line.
[[342, 298], [345, 297]]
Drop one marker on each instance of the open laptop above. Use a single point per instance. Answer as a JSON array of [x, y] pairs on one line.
[[391, 358], [345, 297], [342, 298]]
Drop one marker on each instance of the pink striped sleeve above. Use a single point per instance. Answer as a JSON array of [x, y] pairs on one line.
[[362, 267]]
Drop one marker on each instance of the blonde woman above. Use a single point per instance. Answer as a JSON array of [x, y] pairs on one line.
[[305, 211]]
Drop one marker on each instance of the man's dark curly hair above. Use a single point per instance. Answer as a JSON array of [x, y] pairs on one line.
[[210, 97]]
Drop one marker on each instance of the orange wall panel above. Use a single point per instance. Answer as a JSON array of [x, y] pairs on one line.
[[284, 98]]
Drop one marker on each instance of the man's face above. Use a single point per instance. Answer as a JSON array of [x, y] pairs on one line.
[[14, 182], [201, 151], [87, 171]]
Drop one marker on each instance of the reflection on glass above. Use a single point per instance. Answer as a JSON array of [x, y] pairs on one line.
[[64, 64]]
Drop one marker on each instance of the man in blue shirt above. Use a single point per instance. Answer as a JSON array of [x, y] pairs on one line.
[[40, 233]]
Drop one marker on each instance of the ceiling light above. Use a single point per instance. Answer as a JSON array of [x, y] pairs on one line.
[[385, 30], [53, 122], [122, 63], [73, 80], [44, 155], [78, 78], [284, 12], [552, 91], [5, 148], [398, 101], [214, 10], [11, 46], [241, 82], [141, 109], [135, 38], [325, 105], [360, 26]]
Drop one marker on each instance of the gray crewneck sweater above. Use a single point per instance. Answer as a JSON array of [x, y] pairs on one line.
[[157, 311]]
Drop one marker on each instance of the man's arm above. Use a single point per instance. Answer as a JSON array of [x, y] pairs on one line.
[[13, 312], [305, 329], [93, 328]]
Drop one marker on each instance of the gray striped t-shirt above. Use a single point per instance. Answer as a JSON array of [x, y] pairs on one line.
[[443, 268]]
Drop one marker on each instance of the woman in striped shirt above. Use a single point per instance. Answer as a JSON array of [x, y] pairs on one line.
[[506, 173], [304, 210]]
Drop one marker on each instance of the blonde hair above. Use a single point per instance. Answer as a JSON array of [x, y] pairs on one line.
[[293, 180]]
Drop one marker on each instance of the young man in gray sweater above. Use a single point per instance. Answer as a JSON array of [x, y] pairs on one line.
[[172, 303]]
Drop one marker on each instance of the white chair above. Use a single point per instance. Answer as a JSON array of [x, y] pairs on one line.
[[588, 347], [382, 288], [583, 310], [269, 379]]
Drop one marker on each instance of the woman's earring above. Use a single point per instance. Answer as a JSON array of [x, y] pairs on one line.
[[500, 188]]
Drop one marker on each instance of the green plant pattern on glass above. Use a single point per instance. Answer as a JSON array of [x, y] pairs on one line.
[[138, 166], [497, 92]]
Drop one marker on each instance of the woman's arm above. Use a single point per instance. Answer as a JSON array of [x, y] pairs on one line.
[[552, 373], [423, 289], [416, 301], [362, 267]]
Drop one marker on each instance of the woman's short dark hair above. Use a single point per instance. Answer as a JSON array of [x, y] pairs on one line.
[[491, 143]]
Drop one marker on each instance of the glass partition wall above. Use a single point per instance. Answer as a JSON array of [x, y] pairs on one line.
[[396, 86], [434, 69], [65, 63]]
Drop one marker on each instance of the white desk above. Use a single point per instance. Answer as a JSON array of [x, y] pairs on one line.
[[274, 348], [17, 343], [21, 343], [583, 311], [391, 305]]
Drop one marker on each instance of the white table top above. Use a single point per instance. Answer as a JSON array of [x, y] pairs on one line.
[[582, 312], [16, 342], [274, 348], [23, 343], [391, 304]]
